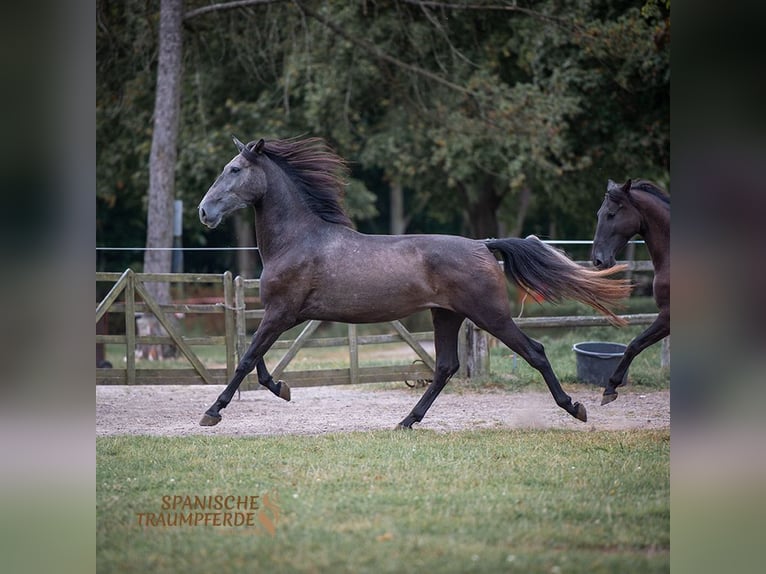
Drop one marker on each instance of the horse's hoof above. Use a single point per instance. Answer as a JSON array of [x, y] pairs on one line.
[[209, 420], [284, 391], [580, 412], [401, 426], [608, 398]]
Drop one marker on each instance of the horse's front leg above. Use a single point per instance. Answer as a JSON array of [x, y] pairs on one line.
[[655, 332], [268, 332]]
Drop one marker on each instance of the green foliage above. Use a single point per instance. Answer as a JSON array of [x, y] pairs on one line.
[[464, 108], [485, 501]]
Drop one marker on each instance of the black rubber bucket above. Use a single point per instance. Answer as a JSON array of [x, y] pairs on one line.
[[596, 361]]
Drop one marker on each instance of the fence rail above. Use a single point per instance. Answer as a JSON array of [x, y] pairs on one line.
[[128, 296], [130, 284]]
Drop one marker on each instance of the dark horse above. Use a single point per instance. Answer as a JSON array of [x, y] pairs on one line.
[[315, 266], [636, 208]]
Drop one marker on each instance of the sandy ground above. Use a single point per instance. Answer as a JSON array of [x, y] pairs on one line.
[[176, 410]]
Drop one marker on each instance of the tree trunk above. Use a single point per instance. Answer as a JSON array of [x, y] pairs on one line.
[[481, 211], [162, 160], [247, 261], [398, 221], [521, 213]]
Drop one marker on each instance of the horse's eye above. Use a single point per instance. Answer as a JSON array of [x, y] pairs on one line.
[[234, 169]]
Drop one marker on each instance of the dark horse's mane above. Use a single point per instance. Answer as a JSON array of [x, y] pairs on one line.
[[648, 187], [651, 189], [318, 172]]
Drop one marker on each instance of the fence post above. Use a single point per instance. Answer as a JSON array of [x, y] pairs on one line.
[[130, 327], [230, 325], [353, 354], [473, 351], [630, 255], [665, 353], [239, 304]]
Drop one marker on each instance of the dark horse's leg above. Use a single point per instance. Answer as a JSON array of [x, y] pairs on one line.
[[268, 332], [655, 332], [533, 353], [446, 328]]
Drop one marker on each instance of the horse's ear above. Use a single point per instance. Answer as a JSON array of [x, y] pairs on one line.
[[257, 148], [610, 184], [626, 187], [239, 144]]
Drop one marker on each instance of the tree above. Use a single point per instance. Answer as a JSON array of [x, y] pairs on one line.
[[162, 162], [162, 159], [498, 116]]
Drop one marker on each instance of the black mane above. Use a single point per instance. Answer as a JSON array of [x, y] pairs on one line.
[[651, 189], [318, 172]]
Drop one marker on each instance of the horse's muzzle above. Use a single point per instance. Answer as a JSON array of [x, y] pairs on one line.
[[207, 218], [601, 264], [601, 260], [597, 263]]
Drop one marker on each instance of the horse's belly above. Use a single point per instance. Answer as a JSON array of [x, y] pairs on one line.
[[366, 300]]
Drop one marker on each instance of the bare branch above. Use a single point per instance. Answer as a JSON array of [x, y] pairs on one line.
[[490, 8], [222, 6], [380, 54]]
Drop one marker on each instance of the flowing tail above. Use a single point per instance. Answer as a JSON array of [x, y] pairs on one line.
[[538, 267]]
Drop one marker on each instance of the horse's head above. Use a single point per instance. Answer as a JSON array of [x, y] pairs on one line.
[[241, 183], [618, 221]]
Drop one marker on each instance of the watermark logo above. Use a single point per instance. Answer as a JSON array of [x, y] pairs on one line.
[[257, 512]]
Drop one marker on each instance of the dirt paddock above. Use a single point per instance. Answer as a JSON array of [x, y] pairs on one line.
[[176, 410]]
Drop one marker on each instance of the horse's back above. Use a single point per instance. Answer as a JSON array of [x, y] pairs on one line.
[[414, 255]]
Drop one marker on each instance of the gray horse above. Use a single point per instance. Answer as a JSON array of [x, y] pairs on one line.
[[316, 266]]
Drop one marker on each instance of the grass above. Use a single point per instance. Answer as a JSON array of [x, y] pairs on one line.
[[479, 501]]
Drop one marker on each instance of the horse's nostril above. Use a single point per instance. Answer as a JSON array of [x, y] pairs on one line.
[[202, 213], [597, 262]]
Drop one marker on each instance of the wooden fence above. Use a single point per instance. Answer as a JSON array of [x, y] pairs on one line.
[[128, 286], [128, 295]]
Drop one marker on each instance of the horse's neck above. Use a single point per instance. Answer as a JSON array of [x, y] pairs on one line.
[[655, 230], [282, 219]]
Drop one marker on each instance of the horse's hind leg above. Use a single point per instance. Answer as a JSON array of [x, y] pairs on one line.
[[446, 328], [533, 353], [655, 332]]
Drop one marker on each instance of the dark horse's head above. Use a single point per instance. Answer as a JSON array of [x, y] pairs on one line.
[[241, 183], [618, 221]]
